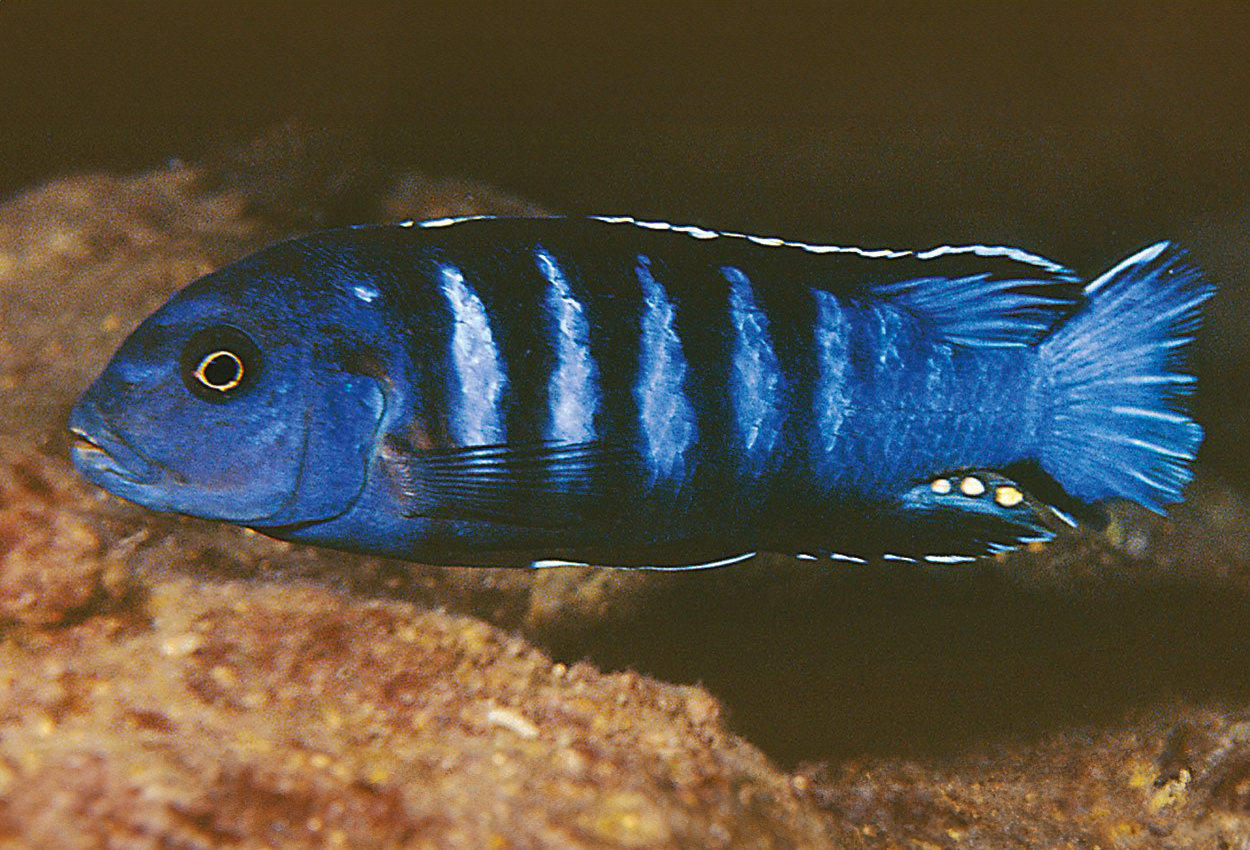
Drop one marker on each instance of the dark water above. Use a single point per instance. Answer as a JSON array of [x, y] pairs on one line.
[[1085, 127], [1081, 131]]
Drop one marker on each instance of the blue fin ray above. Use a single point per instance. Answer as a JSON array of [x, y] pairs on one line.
[[984, 310], [1118, 374], [504, 483], [970, 513]]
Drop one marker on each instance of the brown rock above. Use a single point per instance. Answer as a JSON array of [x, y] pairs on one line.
[[52, 566], [148, 700], [1174, 778], [288, 716], [170, 682]]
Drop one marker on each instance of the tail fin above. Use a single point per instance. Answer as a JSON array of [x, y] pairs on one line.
[[1118, 369]]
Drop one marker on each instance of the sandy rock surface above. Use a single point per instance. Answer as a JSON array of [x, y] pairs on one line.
[[191, 713], [150, 698], [167, 682]]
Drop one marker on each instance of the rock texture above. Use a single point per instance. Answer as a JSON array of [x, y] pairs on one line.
[[151, 697], [1168, 779], [166, 682], [220, 714]]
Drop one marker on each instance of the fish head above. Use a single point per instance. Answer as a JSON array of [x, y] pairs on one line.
[[211, 406]]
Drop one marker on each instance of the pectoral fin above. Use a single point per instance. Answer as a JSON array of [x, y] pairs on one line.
[[538, 485]]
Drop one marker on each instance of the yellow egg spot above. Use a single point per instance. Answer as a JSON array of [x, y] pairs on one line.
[[941, 486], [971, 486], [1008, 496]]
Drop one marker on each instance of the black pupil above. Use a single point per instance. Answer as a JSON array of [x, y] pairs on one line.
[[221, 370], [220, 363]]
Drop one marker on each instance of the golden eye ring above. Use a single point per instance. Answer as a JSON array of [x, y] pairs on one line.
[[220, 371], [220, 363]]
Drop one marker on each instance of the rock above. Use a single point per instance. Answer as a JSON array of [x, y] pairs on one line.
[[229, 714], [149, 697], [1172, 778], [171, 682], [52, 565]]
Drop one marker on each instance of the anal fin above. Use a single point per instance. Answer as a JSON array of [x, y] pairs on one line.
[[970, 513]]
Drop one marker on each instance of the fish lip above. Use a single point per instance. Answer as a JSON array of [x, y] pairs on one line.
[[98, 451]]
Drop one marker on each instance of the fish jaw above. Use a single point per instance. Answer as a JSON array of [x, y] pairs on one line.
[[106, 459]]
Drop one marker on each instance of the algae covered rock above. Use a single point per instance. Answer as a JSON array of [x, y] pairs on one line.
[[169, 682], [223, 714]]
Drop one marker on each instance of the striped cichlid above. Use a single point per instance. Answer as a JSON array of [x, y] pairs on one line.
[[627, 393]]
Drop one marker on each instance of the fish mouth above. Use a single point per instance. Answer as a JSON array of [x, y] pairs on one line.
[[100, 454]]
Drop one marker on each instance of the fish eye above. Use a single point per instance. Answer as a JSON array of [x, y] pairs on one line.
[[220, 370], [219, 363]]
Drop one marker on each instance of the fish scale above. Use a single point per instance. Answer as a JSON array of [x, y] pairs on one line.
[[631, 393]]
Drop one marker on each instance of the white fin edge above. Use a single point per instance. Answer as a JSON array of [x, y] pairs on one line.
[[710, 565], [850, 559], [1017, 254], [949, 559], [1142, 257], [1007, 251]]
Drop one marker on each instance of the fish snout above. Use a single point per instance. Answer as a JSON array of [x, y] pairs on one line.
[[100, 454]]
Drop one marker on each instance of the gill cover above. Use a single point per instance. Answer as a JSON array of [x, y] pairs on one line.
[[341, 419]]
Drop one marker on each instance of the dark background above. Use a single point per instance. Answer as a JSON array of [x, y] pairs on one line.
[[1079, 129], [1082, 131]]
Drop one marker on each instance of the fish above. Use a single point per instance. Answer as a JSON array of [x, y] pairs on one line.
[[617, 392]]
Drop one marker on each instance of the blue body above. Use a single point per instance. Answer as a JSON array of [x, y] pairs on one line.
[[502, 391]]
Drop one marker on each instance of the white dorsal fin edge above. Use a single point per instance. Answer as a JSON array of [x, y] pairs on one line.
[[696, 232]]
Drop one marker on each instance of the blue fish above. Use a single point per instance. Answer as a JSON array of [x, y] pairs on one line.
[[611, 391]]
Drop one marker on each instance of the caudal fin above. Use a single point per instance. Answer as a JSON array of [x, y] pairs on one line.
[[1120, 427]]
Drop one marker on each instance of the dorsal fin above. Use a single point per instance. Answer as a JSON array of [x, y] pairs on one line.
[[984, 303], [977, 295]]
